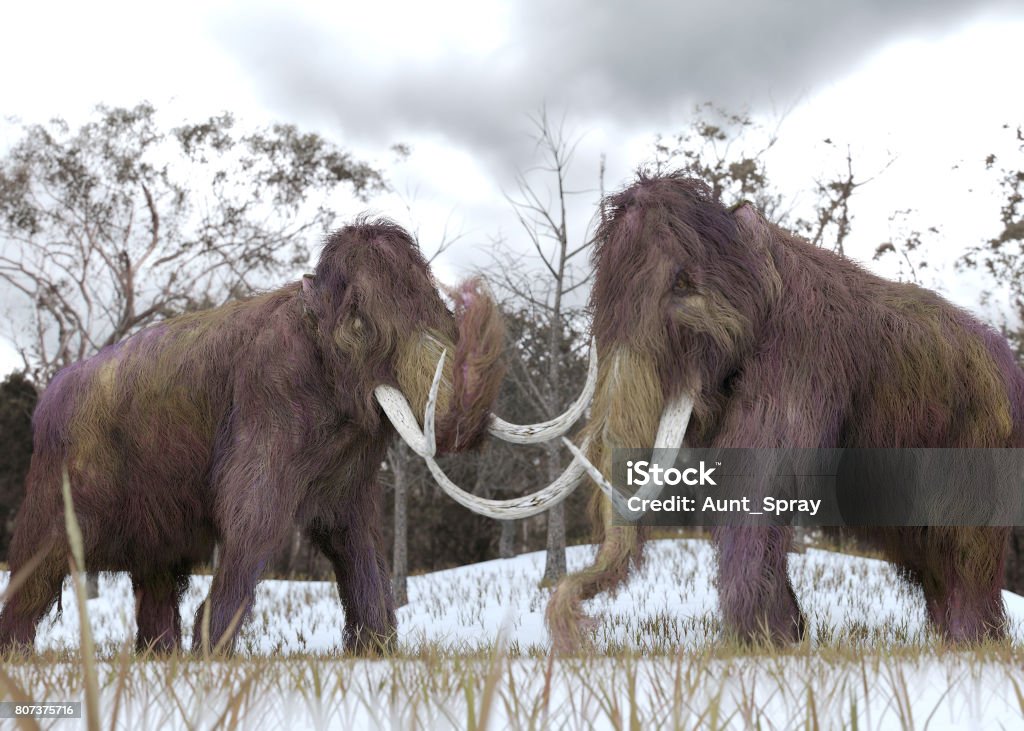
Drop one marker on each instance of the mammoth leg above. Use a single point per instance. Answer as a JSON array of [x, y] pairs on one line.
[[754, 589], [255, 531], [157, 613], [364, 582], [960, 570], [231, 594], [33, 599], [258, 483]]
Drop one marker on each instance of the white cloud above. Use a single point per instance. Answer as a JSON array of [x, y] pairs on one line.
[[930, 82], [9, 358]]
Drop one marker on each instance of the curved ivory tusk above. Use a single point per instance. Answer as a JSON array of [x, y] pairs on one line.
[[618, 501], [515, 508], [399, 413], [428, 412], [545, 430], [671, 430], [397, 408]]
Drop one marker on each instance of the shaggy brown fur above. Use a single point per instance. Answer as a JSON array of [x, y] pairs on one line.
[[237, 423], [786, 345]]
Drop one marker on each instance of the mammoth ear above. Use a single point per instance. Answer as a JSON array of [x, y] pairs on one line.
[[751, 221], [745, 211], [757, 233], [307, 295]]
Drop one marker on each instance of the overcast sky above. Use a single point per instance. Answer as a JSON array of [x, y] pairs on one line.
[[929, 83]]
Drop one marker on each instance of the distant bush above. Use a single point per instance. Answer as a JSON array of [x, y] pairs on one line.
[[17, 400]]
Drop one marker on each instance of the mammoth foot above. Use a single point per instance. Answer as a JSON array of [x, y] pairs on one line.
[[964, 620], [767, 630], [17, 640], [164, 643], [752, 619], [366, 643], [754, 590]]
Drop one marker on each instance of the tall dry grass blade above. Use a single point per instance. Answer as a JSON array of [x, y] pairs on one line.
[[942, 698], [546, 694], [232, 716], [88, 650], [170, 689], [812, 710], [229, 633], [867, 692], [491, 683], [631, 670], [124, 659], [16, 693], [22, 576], [205, 630], [1020, 695], [901, 695]]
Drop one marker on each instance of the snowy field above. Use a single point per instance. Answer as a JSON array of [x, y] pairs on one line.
[[869, 662], [671, 604]]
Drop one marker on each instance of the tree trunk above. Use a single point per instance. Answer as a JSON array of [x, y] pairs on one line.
[[554, 566], [507, 541], [400, 558]]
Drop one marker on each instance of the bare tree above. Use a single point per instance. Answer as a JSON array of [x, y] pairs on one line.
[[908, 244], [399, 459], [112, 226], [1001, 257], [833, 221], [544, 289], [727, 151], [398, 462]]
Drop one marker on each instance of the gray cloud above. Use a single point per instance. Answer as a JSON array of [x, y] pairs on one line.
[[626, 62], [626, 67]]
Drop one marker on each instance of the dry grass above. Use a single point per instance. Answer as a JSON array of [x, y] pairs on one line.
[[868, 662], [916, 687]]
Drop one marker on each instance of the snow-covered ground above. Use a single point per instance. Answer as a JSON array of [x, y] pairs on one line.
[[670, 603], [871, 663]]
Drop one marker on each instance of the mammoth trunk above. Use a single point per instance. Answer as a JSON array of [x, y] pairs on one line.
[[626, 413], [473, 370]]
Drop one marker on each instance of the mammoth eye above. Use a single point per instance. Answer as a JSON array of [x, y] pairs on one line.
[[682, 284]]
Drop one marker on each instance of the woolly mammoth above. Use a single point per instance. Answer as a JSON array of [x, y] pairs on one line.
[[714, 324], [234, 424]]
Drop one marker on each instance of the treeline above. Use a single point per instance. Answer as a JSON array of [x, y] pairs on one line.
[[122, 222]]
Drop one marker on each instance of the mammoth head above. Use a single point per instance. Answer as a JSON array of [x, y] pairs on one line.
[[682, 288], [376, 307], [682, 280], [379, 318]]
